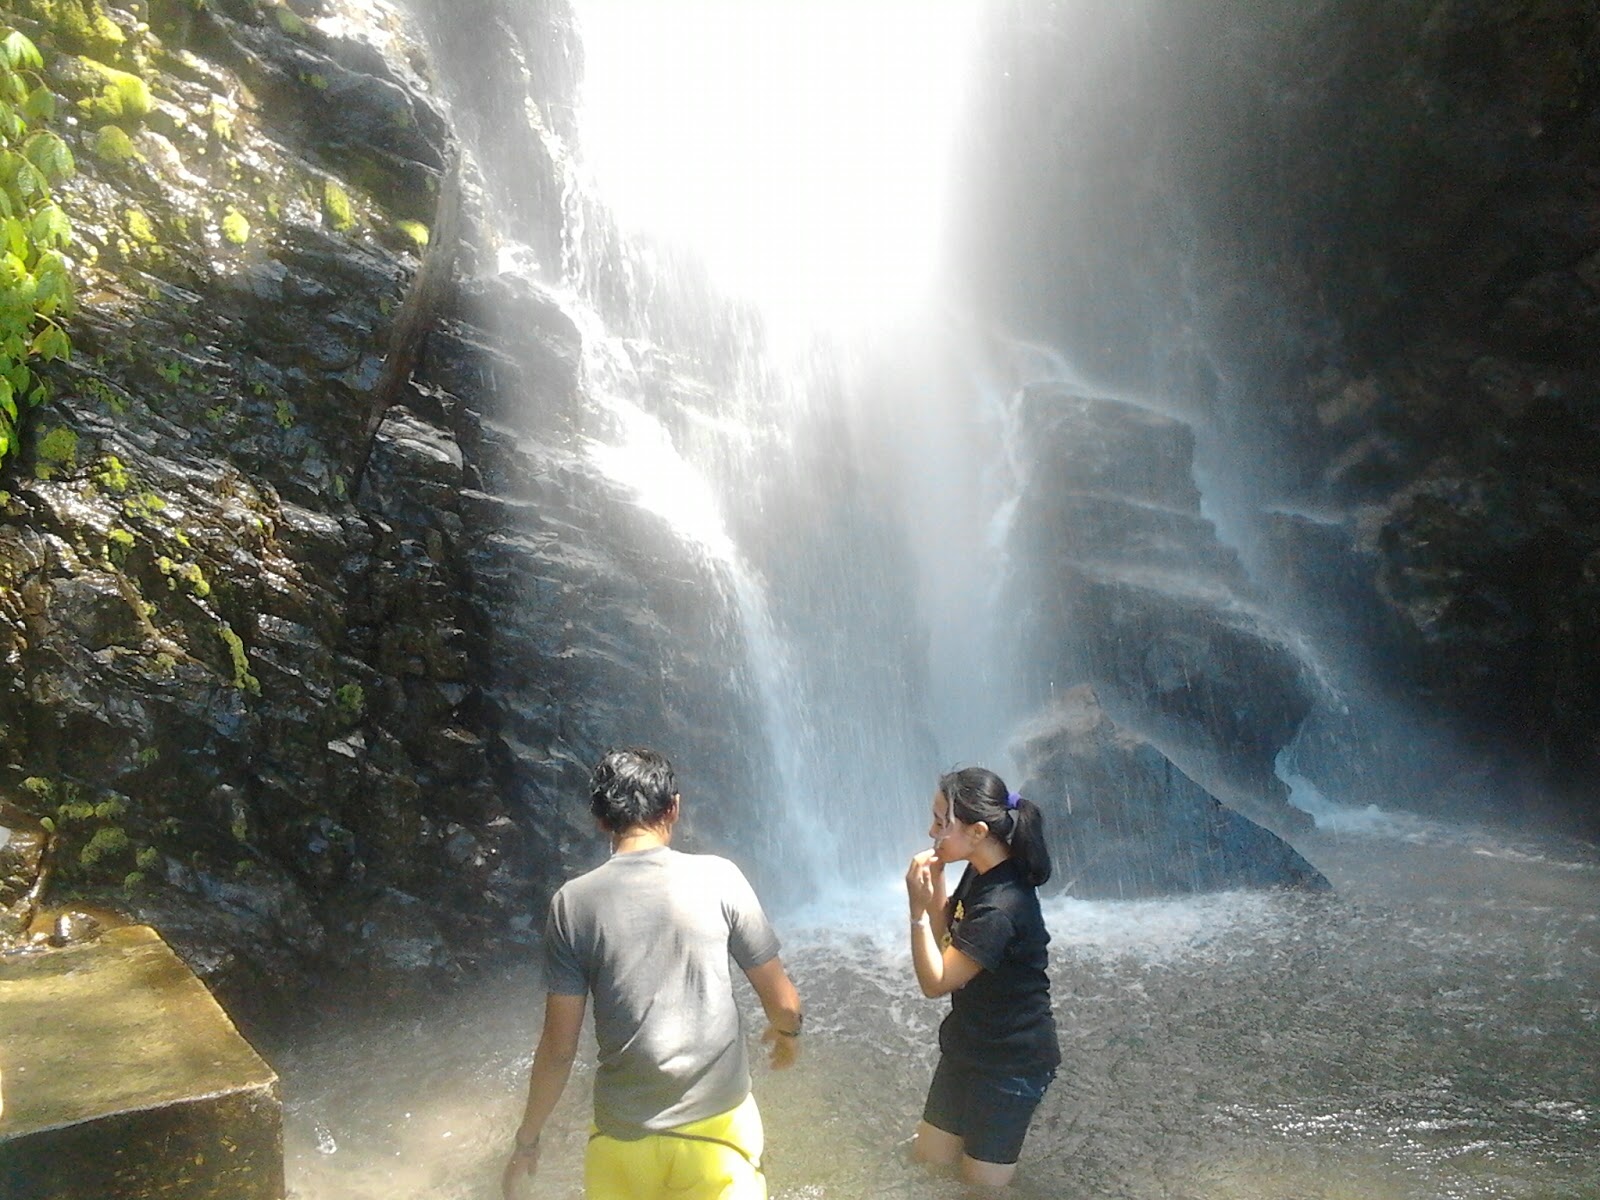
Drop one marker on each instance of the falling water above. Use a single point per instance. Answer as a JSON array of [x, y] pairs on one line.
[[724, 276], [964, 467], [639, 454]]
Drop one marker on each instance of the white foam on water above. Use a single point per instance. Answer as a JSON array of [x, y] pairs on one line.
[[869, 924], [1158, 931]]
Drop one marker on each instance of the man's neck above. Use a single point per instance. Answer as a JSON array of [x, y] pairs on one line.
[[640, 837]]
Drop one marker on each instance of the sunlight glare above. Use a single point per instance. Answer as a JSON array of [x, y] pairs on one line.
[[799, 148]]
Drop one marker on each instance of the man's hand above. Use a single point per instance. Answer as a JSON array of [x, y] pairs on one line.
[[785, 1049], [781, 1003], [519, 1171]]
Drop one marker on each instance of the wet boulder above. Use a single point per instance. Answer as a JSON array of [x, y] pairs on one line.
[[1124, 821]]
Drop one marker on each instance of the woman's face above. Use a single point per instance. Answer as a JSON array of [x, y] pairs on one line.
[[952, 840]]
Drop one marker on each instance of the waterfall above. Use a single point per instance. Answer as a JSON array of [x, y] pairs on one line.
[[754, 332], [639, 454], [965, 461]]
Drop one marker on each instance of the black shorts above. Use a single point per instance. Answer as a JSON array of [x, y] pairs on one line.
[[988, 1112]]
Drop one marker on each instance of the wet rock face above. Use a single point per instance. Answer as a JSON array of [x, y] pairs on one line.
[[1123, 821], [1131, 591], [23, 847], [271, 714], [1446, 412], [1357, 242]]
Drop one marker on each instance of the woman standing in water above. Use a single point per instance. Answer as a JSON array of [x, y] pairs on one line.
[[984, 947]]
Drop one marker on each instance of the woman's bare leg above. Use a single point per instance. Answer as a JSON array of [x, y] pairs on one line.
[[986, 1174], [934, 1146]]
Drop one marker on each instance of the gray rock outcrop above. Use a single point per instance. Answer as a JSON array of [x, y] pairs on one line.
[[1123, 821]]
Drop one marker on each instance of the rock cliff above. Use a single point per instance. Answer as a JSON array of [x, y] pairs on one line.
[[291, 719]]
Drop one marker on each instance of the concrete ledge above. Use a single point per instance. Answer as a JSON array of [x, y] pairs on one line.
[[122, 1079]]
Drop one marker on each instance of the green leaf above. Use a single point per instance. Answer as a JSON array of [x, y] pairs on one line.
[[18, 53], [15, 236], [30, 181], [49, 154], [50, 227], [52, 284], [12, 126], [51, 344], [40, 105], [8, 405]]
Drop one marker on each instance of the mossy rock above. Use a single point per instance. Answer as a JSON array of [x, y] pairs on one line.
[[416, 231], [235, 227], [111, 144], [81, 26], [56, 454], [122, 97], [289, 21], [140, 228], [99, 94]]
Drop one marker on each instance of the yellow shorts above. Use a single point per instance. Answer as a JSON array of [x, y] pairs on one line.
[[717, 1158]]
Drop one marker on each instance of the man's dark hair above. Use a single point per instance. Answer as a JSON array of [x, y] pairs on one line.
[[631, 787]]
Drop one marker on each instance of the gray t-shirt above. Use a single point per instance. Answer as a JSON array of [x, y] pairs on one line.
[[649, 935]]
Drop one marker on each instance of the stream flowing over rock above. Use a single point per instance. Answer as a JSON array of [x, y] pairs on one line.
[[279, 720]]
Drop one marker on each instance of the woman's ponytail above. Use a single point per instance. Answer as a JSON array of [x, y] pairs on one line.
[[1028, 846]]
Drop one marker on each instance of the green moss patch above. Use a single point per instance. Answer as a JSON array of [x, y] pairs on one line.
[[336, 209]]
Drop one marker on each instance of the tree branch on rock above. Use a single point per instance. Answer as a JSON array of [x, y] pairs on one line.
[[431, 288]]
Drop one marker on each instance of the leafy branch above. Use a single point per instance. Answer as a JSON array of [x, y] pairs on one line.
[[35, 285]]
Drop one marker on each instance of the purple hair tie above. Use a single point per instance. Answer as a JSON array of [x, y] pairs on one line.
[[1012, 800]]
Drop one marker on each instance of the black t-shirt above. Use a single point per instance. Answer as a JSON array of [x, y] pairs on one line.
[[1001, 1020]]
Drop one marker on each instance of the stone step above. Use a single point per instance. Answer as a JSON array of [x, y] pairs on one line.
[[121, 1077]]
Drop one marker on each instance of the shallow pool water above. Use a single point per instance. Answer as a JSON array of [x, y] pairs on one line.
[[1431, 1031]]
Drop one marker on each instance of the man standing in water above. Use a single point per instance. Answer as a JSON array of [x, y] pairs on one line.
[[649, 935]]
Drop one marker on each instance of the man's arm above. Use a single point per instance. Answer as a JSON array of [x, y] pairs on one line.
[[552, 1064], [781, 1001]]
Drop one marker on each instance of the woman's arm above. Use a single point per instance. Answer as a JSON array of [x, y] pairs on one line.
[[938, 974], [939, 910]]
